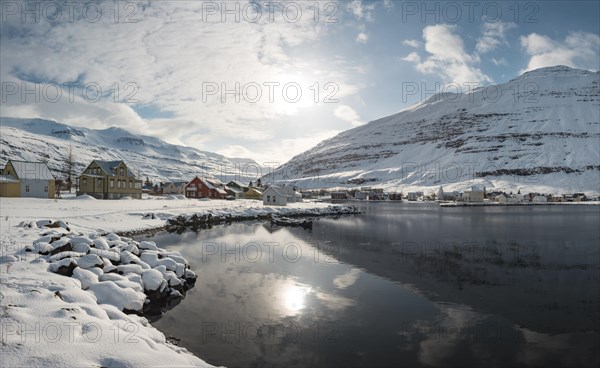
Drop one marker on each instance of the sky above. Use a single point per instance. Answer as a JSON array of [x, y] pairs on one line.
[[268, 80]]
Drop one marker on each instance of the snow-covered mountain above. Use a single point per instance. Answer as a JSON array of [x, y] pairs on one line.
[[539, 132], [49, 141]]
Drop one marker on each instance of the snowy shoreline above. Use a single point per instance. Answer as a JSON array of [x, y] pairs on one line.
[[52, 320]]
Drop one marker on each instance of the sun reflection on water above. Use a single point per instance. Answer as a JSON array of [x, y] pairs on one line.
[[294, 297]]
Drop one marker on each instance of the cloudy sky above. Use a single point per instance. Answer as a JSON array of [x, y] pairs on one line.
[[268, 80]]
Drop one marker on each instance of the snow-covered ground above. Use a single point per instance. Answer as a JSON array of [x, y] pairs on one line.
[[49, 320]]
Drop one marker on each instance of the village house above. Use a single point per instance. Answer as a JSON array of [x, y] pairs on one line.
[[27, 179], [339, 195], [505, 199], [360, 195], [237, 185], [475, 195], [275, 196], [413, 196], [253, 193], [109, 180], [235, 192], [203, 188], [539, 199], [292, 195], [174, 187]]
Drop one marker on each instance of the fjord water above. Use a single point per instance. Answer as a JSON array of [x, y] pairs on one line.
[[402, 285]]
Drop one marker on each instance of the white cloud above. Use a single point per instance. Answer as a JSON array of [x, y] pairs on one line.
[[346, 280], [498, 62], [578, 50], [388, 4], [169, 54], [348, 114], [447, 56], [413, 57], [412, 43], [362, 38], [494, 35], [361, 10]]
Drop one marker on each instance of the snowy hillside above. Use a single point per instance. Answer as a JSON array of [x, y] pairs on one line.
[[540, 132], [49, 141]]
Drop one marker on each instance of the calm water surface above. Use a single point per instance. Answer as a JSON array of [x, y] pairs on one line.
[[403, 285]]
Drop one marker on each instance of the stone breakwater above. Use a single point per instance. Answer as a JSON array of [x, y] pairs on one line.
[[136, 277]]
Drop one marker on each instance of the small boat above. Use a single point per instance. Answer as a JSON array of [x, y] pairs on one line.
[[286, 221]]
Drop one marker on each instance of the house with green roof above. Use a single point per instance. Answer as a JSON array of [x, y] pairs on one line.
[[109, 180], [26, 179]]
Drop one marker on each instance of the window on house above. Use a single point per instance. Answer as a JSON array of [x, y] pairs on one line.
[[130, 184], [112, 183], [100, 182], [119, 184], [84, 183], [27, 188], [274, 199], [268, 198], [121, 171], [45, 189]]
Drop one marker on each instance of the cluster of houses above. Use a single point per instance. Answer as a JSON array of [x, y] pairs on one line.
[[114, 180], [472, 195]]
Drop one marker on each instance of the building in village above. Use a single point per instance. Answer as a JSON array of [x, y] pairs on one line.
[[280, 196], [109, 180], [234, 184], [275, 196], [174, 187], [27, 179], [204, 188], [253, 193], [474, 195]]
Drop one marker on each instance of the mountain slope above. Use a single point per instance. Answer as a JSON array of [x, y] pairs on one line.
[[540, 131], [49, 141]]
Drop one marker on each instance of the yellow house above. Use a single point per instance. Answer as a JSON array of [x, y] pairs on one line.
[[109, 180], [253, 193], [26, 179]]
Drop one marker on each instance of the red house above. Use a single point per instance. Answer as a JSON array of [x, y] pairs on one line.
[[199, 188]]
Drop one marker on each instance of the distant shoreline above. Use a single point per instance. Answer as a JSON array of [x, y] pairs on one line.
[[495, 204]]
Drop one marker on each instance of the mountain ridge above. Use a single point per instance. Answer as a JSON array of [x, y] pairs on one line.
[[48, 140], [540, 130]]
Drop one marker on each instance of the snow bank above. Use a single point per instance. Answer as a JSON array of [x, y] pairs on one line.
[[100, 298]]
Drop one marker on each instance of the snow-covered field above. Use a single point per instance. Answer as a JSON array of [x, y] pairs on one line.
[[49, 320]]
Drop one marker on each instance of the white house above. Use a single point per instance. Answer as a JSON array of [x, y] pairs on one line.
[[475, 195], [292, 195], [503, 199], [275, 196], [414, 196], [174, 187], [540, 199], [26, 179], [522, 198]]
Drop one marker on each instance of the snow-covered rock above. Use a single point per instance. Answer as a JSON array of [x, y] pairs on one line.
[[90, 260], [108, 292], [147, 245], [87, 278], [152, 279], [101, 243]]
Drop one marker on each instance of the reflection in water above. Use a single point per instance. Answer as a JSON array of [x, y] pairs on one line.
[[403, 285], [293, 297]]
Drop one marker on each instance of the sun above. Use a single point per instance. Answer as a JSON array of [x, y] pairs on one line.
[[294, 297]]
